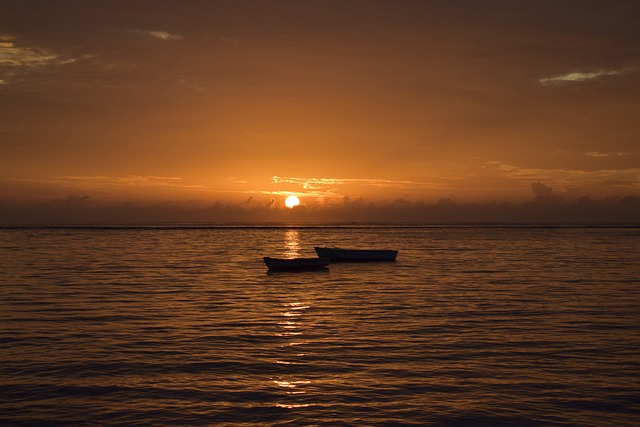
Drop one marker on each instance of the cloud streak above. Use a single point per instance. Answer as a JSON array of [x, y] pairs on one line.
[[163, 35], [12, 55], [599, 154], [155, 34], [577, 77], [15, 59], [629, 178], [329, 187], [104, 181]]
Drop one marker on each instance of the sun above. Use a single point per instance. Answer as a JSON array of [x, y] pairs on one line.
[[291, 201]]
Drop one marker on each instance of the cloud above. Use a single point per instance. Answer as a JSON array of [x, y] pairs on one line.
[[577, 77], [235, 180], [104, 182], [12, 55], [541, 191], [569, 182], [160, 35], [15, 58], [120, 180], [599, 154], [81, 209], [329, 187], [576, 176], [163, 35], [72, 198]]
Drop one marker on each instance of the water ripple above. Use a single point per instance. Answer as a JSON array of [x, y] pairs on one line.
[[184, 326]]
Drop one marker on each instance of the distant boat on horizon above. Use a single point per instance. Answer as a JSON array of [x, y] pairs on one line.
[[342, 254]]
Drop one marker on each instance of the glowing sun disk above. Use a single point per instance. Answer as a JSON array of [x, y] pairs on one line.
[[291, 201]]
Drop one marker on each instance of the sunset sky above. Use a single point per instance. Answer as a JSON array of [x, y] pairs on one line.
[[234, 105]]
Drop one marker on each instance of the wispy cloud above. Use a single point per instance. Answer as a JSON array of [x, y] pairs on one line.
[[156, 34], [577, 77], [103, 181], [623, 177], [14, 58], [311, 183], [163, 35], [122, 179], [599, 154], [235, 180], [330, 187]]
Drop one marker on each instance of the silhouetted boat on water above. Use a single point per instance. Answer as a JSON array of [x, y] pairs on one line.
[[340, 254], [280, 264]]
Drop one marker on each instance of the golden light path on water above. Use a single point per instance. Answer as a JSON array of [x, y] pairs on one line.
[[292, 244], [290, 326]]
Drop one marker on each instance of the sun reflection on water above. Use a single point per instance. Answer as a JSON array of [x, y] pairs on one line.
[[291, 327], [301, 405], [291, 244]]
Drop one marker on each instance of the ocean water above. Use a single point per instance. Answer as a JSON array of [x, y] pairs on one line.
[[183, 326]]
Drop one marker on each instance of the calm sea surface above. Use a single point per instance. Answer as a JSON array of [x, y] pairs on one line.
[[477, 326]]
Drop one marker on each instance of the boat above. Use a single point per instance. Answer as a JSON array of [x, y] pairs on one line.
[[341, 254], [284, 264]]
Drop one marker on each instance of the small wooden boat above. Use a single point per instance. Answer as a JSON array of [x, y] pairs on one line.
[[284, 264], [340, 254]]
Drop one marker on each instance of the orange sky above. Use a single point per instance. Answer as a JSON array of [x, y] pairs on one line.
[[239, 103]]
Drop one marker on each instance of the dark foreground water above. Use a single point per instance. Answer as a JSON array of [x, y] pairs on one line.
[[477, 326]]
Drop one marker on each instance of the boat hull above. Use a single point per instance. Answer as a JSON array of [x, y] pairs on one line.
[[355, 255], [289, 264]]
